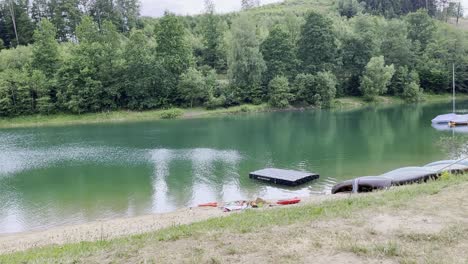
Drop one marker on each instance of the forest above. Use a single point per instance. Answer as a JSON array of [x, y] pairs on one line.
[[81, 56]]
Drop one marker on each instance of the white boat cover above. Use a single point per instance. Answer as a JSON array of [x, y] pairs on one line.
[[443, 119], [460, 119]]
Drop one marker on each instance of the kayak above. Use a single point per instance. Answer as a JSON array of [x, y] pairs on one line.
[[214, 204], [289, 201]]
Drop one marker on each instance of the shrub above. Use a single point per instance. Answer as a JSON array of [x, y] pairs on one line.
[[412, 92], [280, 95], [171, 113], [376, 78]]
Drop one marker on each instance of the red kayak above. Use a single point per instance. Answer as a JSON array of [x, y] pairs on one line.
[[289, 201], [214, 204]]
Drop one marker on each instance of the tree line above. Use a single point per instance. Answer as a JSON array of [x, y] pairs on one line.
[[19, 18], [212, 60]]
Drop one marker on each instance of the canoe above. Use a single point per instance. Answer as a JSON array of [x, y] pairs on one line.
[[362, 184], [410, 175], [448, 162], [289, 201]]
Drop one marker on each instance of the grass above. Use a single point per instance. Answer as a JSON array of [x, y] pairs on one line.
[[343, 103], [122, 116], [251, 221]]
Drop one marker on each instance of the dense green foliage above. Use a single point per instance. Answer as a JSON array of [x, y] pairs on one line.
[[376, 78], [91, 56]]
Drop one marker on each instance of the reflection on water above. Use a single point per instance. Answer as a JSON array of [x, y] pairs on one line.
[[67, 175]]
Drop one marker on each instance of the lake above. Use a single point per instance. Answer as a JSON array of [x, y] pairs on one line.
[[54, 176]]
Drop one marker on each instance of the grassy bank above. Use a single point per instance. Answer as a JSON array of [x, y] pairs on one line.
[[177, 113], [411, 224], [123, 116]]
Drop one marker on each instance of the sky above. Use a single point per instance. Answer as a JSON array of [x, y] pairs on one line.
[[156, 8]]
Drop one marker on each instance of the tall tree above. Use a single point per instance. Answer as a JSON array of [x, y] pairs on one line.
[[317, 45], [421, 27], [45, 55], [40, 9], [396, 47], [357, 47], [16, 25], [174, 53], [138, 92], [212, 38], [81, 90], [65, 15], [128, 11], [279, 55], [245, 62]]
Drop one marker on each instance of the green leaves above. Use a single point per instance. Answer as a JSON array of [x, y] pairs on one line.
[[245, 62], [45, 55], [279, 54], [280, 95], [317, 45], [376, 78]]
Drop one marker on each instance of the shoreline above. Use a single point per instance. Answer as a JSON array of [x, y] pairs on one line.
[[124, 116], [393, 226], [114, 228]]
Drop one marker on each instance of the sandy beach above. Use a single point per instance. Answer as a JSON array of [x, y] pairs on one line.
[[114, 228], [104, 229]]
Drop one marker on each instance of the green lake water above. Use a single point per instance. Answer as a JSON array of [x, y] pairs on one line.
[[54, 176]]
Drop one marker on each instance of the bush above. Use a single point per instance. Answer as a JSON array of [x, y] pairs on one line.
[[326, 88], [171, 113], [304, 88], [376, 78], [280, 95], [412, 93], [216, 102]]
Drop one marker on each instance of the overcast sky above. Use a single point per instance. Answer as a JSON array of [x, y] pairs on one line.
[[183, 7]]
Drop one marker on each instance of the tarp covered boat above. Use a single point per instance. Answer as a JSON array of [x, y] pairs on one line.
[[459, 120], [401, 176], [363, 184], [444, 119]]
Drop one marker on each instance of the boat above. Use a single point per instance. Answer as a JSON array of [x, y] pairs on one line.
[[402, 176], [452, 119], [448, 162], [459, 120], [289, 201], [444, 119], [362, 184]]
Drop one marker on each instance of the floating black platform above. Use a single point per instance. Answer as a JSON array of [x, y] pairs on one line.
[[284, 177]]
